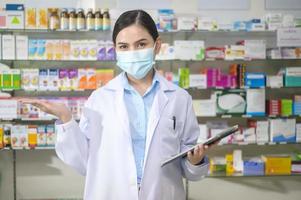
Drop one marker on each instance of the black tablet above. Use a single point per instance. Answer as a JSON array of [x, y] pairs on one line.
[[209, 141]]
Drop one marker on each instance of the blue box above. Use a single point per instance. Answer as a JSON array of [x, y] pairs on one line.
[[297, 108], [253, 168], [14, 7], [255, 80]]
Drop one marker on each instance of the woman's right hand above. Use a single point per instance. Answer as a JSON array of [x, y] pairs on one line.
[[58, 109]]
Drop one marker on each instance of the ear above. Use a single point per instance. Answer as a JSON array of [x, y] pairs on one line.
[[158, 45]]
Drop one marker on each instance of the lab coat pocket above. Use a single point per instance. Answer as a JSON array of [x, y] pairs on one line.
[[169, 137]]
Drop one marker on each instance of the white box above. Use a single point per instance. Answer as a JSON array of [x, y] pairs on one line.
[[262, 131], [275, 81], [235, 52], [249, 135], [75, 50], [30, 79], [207, 24], [197, 81], [8, 109], [283, 130], [204, 107], [256, 102], [21, 47], [8, 47], [53, 78], [237, 161], [0, 46], [15, 19], [255, 49], [189, 50], [92, 49], [187, 23], [167, 52]]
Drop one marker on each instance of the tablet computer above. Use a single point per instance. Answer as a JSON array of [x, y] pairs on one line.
[[209, 141]]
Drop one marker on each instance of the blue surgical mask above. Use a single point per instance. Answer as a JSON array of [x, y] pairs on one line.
[[136, 63]]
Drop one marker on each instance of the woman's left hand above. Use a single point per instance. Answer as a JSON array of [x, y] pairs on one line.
[[197, 155]]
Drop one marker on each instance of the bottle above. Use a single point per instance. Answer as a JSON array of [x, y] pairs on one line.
[[54, 22], [90, 20], [64, 19], [72, 20], [98, 20], [106, 20], [81, 19], [7, 134]]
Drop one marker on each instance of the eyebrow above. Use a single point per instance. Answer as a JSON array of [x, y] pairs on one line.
[[143, 39]]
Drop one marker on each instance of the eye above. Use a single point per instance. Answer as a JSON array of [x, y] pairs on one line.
[[141, 45], [123, 47]]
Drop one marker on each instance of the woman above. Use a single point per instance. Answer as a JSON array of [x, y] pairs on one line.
[[131, 125]]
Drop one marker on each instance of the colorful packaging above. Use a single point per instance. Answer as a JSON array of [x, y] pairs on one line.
[[286, 107], [82, 77], [110, 51], [277, 165], [64, 79], [51, 137], [103, 76], [215, 53], [30, 79], [44, 82], [184, 77], [75, 50], [73, 79], [41, 136], [66, 49], [283, 130], [30, 18], [42, 18], [16, 79], [91, 79], [50, 47], [58, 50], [101, 50], [53, 78], [41, 50], [32, 136], [92, 50], [32, 49]]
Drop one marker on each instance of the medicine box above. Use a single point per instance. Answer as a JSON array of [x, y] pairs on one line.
[[255, 80], [277, 165], [283, 130]]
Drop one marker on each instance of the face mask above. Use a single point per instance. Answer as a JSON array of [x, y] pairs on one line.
[[136, 63]]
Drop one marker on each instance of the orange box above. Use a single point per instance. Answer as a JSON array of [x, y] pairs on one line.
[[103, 76], [91, 79]]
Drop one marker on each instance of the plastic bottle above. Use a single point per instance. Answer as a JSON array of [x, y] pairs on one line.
[[81, 19], [64, 20], [98, 20], [106, 20], [72, 20], [90, 20]]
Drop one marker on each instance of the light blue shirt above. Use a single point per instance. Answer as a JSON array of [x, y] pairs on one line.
[[138, 108]]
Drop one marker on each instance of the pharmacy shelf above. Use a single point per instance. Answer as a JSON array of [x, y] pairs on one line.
[[172, 60], [26, 93], [239, 175], [28, 149], [54, 31], [225, 116]]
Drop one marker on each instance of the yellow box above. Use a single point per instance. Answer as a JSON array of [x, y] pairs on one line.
[[229, 164], [30, 18], [42, 18], [277, 165]]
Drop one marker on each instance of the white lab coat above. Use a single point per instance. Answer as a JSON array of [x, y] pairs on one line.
[[100, 146]]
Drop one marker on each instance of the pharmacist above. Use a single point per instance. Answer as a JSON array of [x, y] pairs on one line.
[[131, 125]]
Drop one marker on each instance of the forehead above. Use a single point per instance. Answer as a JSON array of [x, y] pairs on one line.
[[132, 34]]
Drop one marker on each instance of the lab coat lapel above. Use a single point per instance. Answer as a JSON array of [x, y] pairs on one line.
[[159, 104], [122, 113]]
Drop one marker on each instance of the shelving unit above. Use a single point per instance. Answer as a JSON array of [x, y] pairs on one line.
[[220, 38]]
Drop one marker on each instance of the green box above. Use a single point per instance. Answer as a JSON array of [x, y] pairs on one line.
[[16, 76], [293, 81], [286, 107], [184, 77], [7, 80]]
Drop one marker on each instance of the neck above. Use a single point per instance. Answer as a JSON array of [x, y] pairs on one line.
[[141, 85]]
